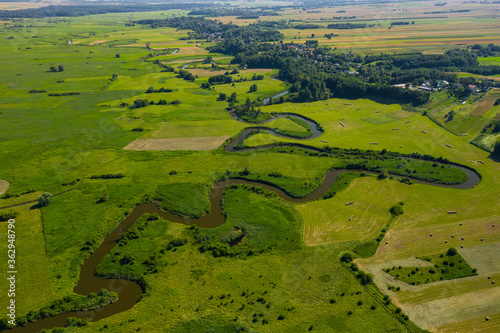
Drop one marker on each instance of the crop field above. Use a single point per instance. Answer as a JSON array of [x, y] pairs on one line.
[[116, 124]]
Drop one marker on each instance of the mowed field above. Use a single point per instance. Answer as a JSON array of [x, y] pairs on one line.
[[46, 142], [431, 33]]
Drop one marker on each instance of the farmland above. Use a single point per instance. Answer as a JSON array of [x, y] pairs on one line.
[[133, 114]]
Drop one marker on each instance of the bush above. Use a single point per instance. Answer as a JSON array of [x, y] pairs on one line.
[[496, 148], [451, 252], [396, 210], [346, 257], [77, 322], [45, 199], [5, 216], [383, 174]]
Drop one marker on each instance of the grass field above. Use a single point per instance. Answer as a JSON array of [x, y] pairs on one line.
[[294, 274]]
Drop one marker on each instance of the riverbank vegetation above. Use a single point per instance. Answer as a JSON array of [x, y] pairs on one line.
[[274, 265]]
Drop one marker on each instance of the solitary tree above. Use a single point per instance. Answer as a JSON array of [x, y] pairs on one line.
[[45, 199], [60, 68], [53, 69], [117, 55], [254, 88], [222, 97]]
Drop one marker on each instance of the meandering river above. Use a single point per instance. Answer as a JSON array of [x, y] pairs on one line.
[[130, 292]]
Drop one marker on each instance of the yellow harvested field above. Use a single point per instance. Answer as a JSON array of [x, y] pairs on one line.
[[190, 50], [98, 42], [196, 143], [21, 5], [473, 326], [4, 186], [433, 314]]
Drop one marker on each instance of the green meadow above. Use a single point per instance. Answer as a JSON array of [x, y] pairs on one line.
[[274, 266]]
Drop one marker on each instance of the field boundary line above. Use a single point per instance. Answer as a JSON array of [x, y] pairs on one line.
[[375, 298]]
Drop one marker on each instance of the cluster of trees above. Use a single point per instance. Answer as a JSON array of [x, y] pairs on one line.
[[108, 176], [184, 74], [346, 26], [248, 111], [66, 304], [71, 93], [490, 50], [243, 12], [161, 90], [220, 79], [141, 103], [166, 68], [318, 73], [59, 68], [402, 23], [304, 26]]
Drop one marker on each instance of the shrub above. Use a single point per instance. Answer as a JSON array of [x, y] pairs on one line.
[[346, 257], [451, 252], [5, 216], [396, 210], [45, 199], [383, 174]]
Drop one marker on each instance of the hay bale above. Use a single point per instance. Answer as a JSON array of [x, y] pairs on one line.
[[349, 203], [424, 132]]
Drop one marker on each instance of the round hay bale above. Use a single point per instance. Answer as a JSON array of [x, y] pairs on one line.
[[461, 246], [482, 239], [430, 235], [452, 236], [487, 318], [462, 238], [446, 241]]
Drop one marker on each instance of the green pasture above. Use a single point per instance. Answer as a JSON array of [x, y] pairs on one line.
[[46, 142]]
